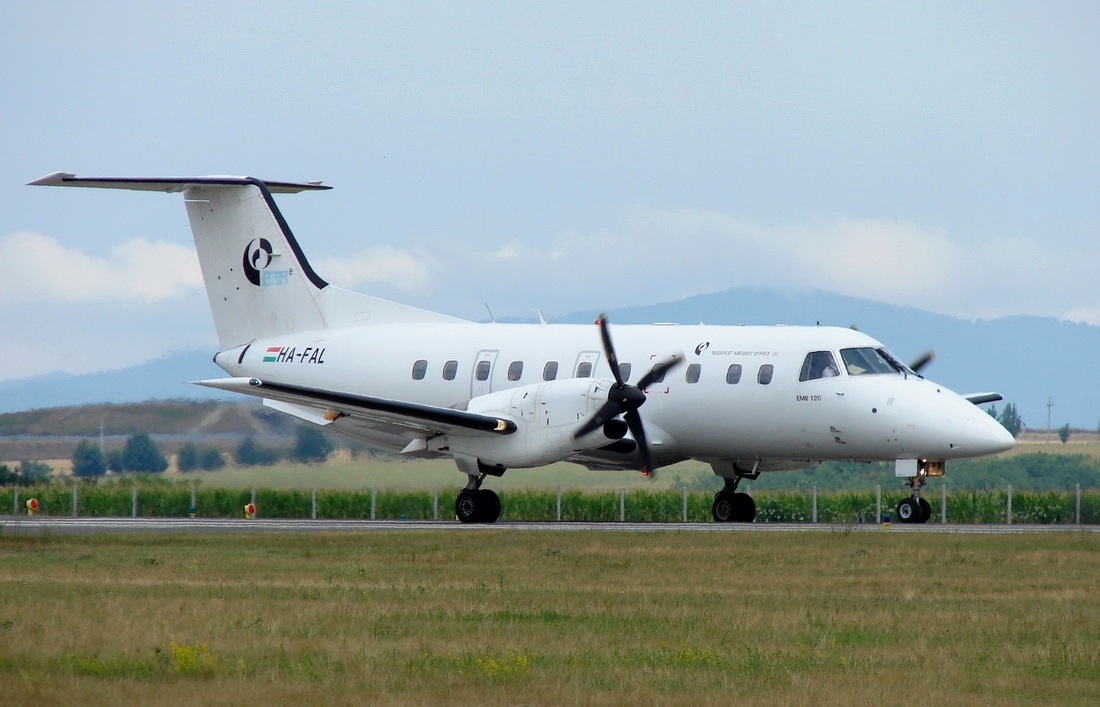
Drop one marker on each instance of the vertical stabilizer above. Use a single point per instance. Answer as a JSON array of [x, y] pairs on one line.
[[258, 281]]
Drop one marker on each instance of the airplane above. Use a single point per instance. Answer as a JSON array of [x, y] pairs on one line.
[[745, 400]]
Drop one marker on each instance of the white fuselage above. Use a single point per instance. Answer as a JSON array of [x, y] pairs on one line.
[[779, 424]]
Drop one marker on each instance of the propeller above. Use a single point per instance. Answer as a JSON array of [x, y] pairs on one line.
[[624, 399], [923, 360]]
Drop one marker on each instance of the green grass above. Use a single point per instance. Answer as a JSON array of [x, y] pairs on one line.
[[550, 618], [387, 473]]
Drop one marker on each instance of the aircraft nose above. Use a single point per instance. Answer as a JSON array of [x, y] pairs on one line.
[[984, 435]]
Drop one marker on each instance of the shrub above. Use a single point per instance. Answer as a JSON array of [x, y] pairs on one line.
[[141, 453], [211, 459], [88, 460], [251, 453], [187, 459]]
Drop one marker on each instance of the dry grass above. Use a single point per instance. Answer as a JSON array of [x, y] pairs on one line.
[[492, 617]]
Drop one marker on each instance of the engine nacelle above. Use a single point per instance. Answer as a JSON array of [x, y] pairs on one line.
[[546, 415]]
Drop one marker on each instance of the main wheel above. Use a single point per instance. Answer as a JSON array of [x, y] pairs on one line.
[[744, 508], [909, 510], [490, 506], [925, 510], [723, 508], [469, 506]]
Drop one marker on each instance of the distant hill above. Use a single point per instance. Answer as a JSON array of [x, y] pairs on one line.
[[159, 379], [52, 433], [161, 417], [1027, 359]]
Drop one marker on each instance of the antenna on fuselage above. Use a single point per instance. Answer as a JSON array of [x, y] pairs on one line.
[[491, 317], [542, 319]]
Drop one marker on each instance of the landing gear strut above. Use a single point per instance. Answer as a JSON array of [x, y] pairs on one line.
[[475, 504], [914, 509], [732, 507]]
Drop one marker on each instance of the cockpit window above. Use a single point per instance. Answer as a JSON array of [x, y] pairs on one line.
[[867, 360], [818, 364]]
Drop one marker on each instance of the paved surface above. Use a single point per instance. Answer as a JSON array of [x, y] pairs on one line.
[[90, 526]]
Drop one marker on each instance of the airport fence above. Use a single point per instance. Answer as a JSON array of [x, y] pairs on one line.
[[162, 500]]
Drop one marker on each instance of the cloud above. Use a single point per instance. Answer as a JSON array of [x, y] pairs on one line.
[[36, 268], [654, 255], [381, 265], [508, 251]]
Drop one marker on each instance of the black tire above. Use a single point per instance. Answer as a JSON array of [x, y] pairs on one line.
[[723, 508], [908, 510], [925, 510], [469, 506], [490, 506], [744, 508]]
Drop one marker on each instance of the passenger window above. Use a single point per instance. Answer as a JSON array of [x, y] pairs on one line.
[[515, 371], [693, 373], [450, 370], [624, 371], [818, 364], [584, 370], [419, 369], [733, 374], [764, 375], [482, 370], [550, 371]]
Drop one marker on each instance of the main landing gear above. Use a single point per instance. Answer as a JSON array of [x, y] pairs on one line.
[[914, 509], [477, 505], [732, 507]]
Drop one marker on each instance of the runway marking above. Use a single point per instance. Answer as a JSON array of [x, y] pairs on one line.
[[90, 526]]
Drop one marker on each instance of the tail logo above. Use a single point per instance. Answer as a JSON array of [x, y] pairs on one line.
[[257, 257]]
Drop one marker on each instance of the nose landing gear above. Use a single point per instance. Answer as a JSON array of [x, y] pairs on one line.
[[914, 510]]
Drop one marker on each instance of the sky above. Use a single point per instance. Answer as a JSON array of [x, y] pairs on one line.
[[563, 156]]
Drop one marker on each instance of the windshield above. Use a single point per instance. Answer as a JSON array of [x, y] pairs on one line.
[[866, 360]]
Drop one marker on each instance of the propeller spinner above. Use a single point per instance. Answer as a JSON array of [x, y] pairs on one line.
[[625, 399]]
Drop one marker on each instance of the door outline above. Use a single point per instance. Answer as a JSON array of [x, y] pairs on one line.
[[592, 357], [486, 386]]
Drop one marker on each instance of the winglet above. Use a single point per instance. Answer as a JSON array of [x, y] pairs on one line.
[[983, 398]]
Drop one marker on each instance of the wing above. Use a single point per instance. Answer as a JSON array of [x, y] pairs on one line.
[[983, 398], [389, 417]]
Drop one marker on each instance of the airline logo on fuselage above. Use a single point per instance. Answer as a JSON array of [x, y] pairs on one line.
[[257, 257], [290, 354]]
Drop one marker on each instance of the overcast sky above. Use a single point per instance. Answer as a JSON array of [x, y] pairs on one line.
[[562, 155]]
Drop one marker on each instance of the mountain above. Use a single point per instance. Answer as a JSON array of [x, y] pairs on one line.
[[1027, 359], [159, 379]]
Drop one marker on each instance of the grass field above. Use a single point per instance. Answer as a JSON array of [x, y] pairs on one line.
[[390, 473], [492, 617]]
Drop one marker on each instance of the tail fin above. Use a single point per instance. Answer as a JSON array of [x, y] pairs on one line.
[[258, 281]]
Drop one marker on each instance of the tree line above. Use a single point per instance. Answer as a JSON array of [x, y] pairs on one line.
[[141, 453]]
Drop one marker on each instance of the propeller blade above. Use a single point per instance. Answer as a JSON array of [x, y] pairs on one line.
[[609, 349], [634, 422], [923, 360], [658, 371], [606, 412]]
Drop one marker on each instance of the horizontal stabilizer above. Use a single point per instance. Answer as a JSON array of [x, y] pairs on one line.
[[168, 184], [983, 398]]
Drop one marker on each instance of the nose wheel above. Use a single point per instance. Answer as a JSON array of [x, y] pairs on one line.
[[914, 510]]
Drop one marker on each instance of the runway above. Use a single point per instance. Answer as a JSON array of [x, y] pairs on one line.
[[45, 525]]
